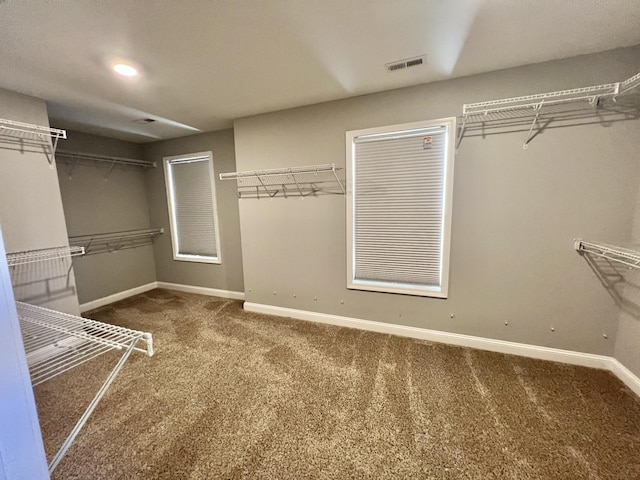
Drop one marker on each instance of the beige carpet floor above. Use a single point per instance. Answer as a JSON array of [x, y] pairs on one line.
[[230, 394]]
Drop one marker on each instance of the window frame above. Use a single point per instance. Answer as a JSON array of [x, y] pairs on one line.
[[449, 156], [183, 257]]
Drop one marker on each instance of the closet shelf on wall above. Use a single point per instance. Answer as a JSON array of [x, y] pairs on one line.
[[72, 159], [630, 86], [27, 131], [530, 108], [57, 342], [43, 254], [630, 258], [10, 127], [291, 181], [113, 241]]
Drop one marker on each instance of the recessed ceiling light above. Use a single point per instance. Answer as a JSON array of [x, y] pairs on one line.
[[125, 70]]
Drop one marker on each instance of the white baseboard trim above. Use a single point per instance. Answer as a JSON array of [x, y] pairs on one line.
[[101, 302], [626, 375], [212, 292], [500, 346]]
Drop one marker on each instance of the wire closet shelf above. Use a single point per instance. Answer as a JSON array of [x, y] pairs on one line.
[[28, 131], [625, 256], [530, 108], [56, 342], [114, 241], [43, 254], [73, 159], [630, 85], [290, 181]]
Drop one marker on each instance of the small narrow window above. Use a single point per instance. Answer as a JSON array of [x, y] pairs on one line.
[[400, 182], [193, 215]]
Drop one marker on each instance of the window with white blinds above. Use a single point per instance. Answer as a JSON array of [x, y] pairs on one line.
[[192, 207], [399, 207]]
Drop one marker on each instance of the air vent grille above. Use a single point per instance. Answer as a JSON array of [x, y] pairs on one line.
[[396, 66], [406, 63], [144, 121]]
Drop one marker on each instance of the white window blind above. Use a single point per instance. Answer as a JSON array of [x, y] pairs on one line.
[[192, 208], [400, 180]]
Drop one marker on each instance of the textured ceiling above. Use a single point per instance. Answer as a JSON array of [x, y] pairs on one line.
[[205, 63]]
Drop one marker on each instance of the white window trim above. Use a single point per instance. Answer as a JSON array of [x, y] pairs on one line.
[[389, 287], [172, 221]]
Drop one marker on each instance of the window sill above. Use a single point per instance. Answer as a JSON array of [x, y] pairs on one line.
[[197, 259]]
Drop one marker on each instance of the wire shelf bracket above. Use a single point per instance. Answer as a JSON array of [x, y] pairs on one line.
[[56, 342], [625, 256], [27, 130], [292, 181], [114, 241], [73, 159]]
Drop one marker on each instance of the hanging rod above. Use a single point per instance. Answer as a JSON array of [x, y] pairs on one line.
[[79, 158], [630, 258], [21, 129], [56, 342], [113, 241], [290, 181], [43, 254]]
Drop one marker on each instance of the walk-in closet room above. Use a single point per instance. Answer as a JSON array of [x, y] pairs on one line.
[[320, 239]]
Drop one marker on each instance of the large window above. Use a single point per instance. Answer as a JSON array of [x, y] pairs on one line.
[[193, 215], [400, 181]]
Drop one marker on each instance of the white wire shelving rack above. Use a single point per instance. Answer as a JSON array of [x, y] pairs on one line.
[[114, 241], [43, 254], [56, 342], [73, 159], [290, 182], [630, 86], [531, 108], [27, 131], [625, 256]]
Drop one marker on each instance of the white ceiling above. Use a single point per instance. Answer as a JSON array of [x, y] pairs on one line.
[[207, 62]]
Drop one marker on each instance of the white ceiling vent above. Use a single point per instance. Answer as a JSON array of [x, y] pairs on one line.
[[406, 63]]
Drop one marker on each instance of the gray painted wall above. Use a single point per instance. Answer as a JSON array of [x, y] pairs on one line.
[[625, 289], [95, 205], [31, 212], [515, 212], [228, 275]]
